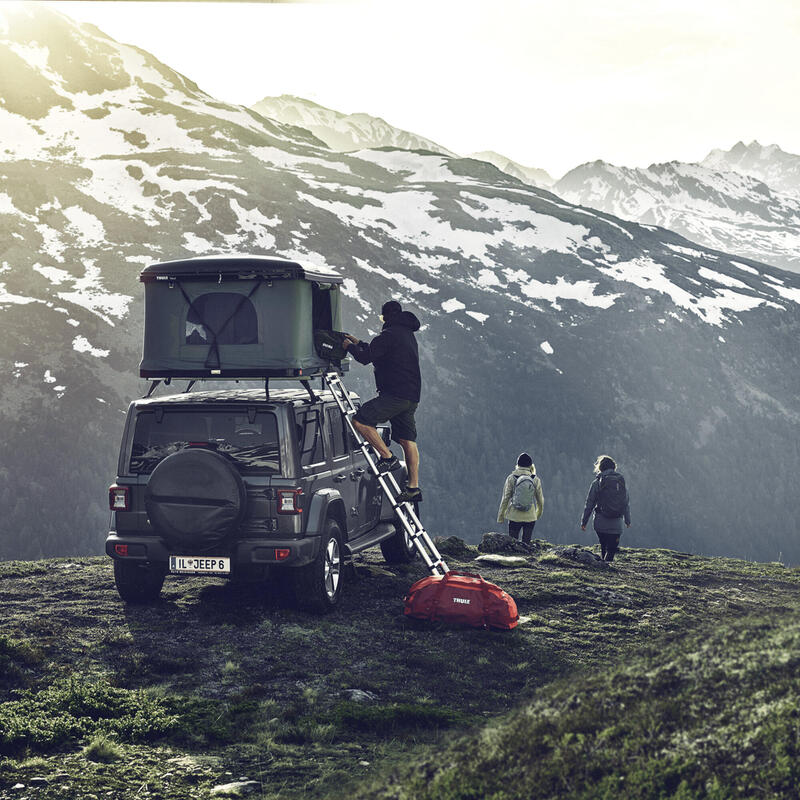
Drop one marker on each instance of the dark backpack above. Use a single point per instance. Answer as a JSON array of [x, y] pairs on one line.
[[330, 345], [612, 496]]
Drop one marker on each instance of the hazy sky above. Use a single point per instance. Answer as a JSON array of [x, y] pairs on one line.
[[550, 84]]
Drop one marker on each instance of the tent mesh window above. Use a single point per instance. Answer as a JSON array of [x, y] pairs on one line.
[[321, 312], [232, 317]]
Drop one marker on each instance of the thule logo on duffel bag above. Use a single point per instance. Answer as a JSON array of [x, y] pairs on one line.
[[461, 600]]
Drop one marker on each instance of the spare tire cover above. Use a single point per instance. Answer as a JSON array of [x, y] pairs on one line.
[[195, 498]]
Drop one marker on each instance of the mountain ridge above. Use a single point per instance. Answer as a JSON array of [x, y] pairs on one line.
[[729, 211], [769, 164], [343, 132]]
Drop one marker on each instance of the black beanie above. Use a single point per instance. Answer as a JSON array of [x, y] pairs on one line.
[[524, 460], [390, 308]]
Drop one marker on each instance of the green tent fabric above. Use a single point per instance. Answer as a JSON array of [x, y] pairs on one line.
[[236, 317]]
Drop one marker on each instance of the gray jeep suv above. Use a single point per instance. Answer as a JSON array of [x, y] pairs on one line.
[[234, 483]]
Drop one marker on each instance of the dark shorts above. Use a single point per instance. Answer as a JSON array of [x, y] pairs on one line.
[[396, 410]]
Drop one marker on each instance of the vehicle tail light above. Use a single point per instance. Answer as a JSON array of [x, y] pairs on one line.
[[119, 498], [121, 549], [282, 553], [289, 501]]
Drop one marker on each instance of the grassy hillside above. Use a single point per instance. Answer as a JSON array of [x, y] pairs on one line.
[[666, 675]]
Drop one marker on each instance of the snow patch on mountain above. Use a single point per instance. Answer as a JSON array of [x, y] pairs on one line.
[[745, 267], [651, 276], [788, 293], [7, 297], [88, 293], [452, 305], [487, 278], [55, 275], [196, 244], [87, 228], [81, 345], [725, 280], [253, 222], [414, 167], [403, 281], [562, 289]]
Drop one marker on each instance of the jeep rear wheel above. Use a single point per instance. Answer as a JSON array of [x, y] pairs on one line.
[[318, 585], [398, 548], [138, 582]]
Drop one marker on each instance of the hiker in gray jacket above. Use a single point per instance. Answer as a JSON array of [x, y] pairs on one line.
[[608, 498], [523, 500]]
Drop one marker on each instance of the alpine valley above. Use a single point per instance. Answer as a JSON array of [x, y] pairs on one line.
[[547, 326]]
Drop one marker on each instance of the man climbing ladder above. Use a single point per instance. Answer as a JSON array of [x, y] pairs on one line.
[[394, 355], [403, 508]]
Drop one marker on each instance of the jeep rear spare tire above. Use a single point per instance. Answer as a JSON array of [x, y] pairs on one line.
[[195, 499]]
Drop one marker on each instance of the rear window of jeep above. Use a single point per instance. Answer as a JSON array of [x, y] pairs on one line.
[[248, 439]]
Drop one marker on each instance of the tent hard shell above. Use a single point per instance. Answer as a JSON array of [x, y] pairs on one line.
[[236, 316]]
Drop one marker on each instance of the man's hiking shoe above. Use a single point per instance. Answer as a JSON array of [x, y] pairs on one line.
[[409, 495], [387, 464]]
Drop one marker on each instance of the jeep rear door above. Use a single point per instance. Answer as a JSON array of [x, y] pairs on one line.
[[344, 479]]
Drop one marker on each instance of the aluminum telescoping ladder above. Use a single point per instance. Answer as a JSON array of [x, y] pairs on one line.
[[404, 511]]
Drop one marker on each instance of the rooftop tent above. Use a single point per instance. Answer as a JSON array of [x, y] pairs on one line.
[[236, 317]]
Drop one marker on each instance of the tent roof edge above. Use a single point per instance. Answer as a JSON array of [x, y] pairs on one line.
[[204, 267]]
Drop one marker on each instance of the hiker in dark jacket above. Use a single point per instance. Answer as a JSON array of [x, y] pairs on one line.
[[394, 355], [608, 498], [521, 502]]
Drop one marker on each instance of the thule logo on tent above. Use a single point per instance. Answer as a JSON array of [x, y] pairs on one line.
[[461, 600]]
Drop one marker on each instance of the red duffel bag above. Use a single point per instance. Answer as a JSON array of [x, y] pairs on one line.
[[461, 597]]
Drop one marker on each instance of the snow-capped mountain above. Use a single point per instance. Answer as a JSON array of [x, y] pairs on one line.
[[547, 327], [724, 210], [532, 175], [348, 132], [769, 164], [342, 132]]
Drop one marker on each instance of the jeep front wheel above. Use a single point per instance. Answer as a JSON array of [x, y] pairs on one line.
[[318, 585], [138, 582]]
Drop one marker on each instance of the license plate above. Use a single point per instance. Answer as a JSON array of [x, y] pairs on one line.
[[200, 565]]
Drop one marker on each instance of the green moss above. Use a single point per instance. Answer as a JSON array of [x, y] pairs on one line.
[[390, 720], [711, 715]]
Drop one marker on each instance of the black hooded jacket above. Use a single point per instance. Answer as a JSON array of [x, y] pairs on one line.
[[395, 357]]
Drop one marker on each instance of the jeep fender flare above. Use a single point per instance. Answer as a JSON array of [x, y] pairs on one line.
[[326, 503]]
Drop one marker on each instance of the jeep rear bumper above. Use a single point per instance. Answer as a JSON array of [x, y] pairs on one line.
[[243, 552]]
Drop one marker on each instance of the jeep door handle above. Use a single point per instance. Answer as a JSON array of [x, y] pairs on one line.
[[339, 478], [359, 471]]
